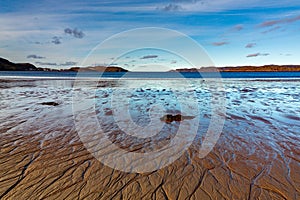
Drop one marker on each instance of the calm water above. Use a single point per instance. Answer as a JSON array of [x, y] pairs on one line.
[[152, 74]]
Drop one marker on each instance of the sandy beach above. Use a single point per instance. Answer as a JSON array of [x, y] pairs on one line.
[[256, 157]]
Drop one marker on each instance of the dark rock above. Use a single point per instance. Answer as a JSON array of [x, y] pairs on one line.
[[175, 118], [50, 103]]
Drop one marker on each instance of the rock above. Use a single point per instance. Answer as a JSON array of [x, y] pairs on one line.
[[50, 103], [177, 118]]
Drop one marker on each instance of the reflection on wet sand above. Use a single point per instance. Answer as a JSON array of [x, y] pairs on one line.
[[256, 157]]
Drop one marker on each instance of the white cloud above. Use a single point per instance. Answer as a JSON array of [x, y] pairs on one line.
[[250, 45], [223, 5], [257, 54], [217, 44]]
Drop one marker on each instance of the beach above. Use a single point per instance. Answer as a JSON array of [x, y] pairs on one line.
[[257, 155]]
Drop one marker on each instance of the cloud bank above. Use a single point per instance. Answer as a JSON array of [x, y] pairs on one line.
[[65, 64], [280, 21]]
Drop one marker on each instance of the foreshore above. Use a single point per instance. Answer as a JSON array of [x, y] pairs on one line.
[[256, 157]]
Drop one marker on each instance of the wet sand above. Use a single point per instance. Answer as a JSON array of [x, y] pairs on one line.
[[257, 155]]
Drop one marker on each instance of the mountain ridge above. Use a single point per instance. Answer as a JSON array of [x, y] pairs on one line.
[[264, 68], [6, 65]]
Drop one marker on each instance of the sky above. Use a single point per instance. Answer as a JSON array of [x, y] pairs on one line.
[[48, 33]]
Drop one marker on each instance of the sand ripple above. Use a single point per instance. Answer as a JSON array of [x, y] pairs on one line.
[[256, 157]]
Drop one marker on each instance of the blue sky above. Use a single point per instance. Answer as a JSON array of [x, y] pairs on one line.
[[233, 32]]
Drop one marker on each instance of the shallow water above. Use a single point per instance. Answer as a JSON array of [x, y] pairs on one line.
[[143, 75], [256, 156]]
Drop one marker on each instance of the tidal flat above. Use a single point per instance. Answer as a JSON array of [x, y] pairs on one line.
[[257, 155]]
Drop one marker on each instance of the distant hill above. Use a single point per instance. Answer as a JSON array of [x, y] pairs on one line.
[[6, 65], [265, 68], [97, 69]]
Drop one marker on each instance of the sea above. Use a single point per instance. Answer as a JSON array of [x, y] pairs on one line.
[[149, 75]]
